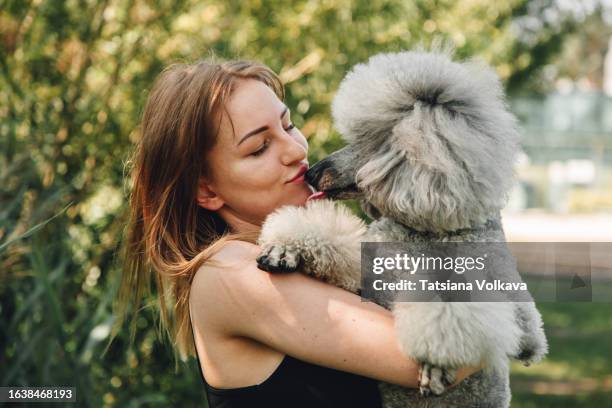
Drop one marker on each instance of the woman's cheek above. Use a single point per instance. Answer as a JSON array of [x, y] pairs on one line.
[[257, 174]]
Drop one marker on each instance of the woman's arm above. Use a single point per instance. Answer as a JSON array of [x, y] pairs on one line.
[[303, 317]]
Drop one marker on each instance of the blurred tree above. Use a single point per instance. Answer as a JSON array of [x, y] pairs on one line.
[[73, 78], [589, 45], [558, 38]]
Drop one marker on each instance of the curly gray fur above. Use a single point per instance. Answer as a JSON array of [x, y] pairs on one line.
[[432, 122]]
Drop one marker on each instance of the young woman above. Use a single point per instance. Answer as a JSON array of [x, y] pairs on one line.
[[219, 153]]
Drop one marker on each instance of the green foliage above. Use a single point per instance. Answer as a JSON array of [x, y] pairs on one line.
[[73, 79]]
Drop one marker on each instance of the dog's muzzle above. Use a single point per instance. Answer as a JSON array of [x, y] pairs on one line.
[[325, 176]]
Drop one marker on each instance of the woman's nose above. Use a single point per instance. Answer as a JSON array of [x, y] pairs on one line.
[[293, 151]]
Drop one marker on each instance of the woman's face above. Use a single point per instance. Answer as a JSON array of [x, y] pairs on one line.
[[257, 164]]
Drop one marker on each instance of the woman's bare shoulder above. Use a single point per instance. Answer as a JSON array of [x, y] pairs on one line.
[[228, 267], [236, 250], [232, 255]]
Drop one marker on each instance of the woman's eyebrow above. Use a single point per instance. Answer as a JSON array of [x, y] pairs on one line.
[[261, 129]]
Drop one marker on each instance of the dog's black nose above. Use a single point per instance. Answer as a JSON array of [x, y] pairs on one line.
[[315, 173]]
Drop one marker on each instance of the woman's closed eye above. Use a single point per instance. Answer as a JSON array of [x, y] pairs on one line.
[[266, 143], [261, 149]]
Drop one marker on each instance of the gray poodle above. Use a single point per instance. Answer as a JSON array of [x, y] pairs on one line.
[[430, 152]]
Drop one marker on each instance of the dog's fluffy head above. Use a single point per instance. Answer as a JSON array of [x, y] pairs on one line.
[[432, 141]]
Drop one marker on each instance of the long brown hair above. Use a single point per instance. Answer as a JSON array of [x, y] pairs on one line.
[[168, 235]]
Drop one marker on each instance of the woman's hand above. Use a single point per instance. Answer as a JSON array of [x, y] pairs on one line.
[[464, 372]]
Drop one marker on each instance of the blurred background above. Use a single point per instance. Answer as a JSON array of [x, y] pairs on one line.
[[74, 75]]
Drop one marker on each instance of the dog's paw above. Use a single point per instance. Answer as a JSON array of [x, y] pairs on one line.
[[435, 380], [533, 348], [531, 355], [526, 356], [279, 259]]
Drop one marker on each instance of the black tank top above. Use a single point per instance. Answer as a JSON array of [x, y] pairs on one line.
[[298, 384]]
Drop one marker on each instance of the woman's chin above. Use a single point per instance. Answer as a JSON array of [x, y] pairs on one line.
[[301, 200], [300, 197]]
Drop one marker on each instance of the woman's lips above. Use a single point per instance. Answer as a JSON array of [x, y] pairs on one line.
[[298, 180], [299, 177]]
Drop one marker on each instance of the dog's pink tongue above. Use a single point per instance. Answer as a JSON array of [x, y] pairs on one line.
[[316, 196]]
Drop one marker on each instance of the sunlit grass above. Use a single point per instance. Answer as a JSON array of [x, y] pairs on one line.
[[578, 369]]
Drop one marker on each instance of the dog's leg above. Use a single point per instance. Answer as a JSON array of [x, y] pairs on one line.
[[445, 336], [533, 344], [321, 239]]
